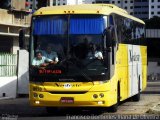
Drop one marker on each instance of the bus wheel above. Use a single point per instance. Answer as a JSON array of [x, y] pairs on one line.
[[52, 110], [114, 107], [136, 97]]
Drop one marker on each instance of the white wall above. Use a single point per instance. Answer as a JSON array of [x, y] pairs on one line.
[[15, 45], [89, 1], [8, 86], [153, 71], [67, 2], [23, 75], [152, 33], [74, 2]]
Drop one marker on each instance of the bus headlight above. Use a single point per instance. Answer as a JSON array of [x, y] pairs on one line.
[[101, 95], [37, 102], [100, 102], [35, 95], [95, 96], [41, 95]]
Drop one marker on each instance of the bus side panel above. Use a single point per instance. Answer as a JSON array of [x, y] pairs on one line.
[[122, 70], [144, 67], [135, 68]]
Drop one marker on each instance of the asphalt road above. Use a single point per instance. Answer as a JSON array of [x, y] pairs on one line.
[[19, 109]]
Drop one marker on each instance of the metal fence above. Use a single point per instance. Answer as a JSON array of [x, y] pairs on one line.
[[8, 64]]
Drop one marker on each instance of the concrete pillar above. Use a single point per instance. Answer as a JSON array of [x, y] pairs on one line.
[[15, 45], [50, 2]]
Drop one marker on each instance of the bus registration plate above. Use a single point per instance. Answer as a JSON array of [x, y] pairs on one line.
[[67, 100]]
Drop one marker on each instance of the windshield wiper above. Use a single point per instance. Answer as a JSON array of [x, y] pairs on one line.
[[69, 60], [85, 76]]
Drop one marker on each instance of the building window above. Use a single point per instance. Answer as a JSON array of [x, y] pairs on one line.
[[144, 12], [144, 6], [30, 6], [113, 2], [158, 12], [144, 0], [131, 13], [125, 8], [64, 3], [131, 7], [152, 6], [152, 0], [137, 6], [158, 6], [125, 1], [158, 0], [131, 1], [106, 2], [119, 1], [93, 2]]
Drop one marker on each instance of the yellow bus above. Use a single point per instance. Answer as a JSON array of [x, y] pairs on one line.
[[97, 57]]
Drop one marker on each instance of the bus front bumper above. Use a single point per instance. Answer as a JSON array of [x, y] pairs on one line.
[[90, 99]]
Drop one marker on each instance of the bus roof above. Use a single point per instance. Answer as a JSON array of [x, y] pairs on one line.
[[105, 9]]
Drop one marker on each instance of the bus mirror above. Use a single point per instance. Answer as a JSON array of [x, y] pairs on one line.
[[21, 38], [113, 42]]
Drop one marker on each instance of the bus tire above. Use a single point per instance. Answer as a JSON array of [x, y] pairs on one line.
[[114, 107], [137, 97], [52, 110]]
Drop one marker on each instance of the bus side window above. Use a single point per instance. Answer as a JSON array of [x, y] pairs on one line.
[[111, 23], [118, 28], [111, 20]]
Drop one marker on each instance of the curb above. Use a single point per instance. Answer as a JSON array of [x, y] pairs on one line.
[[155, 109]]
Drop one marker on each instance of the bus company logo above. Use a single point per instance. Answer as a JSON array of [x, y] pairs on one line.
[[134, 57], [67, 86]]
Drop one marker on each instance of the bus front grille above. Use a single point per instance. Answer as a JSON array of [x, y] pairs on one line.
[[68, 92]]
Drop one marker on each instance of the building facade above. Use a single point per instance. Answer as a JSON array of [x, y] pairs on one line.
[[154, 8], [65, 2], [13, 19], [141, 9], [89, 1], [29, 4], [128, 5]]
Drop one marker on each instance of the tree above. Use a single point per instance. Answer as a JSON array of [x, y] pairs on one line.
[[5, 4], [153, 23], [41, 3]]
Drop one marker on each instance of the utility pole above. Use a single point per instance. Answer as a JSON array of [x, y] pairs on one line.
[[56, 2], [50, 2], [34, 5]]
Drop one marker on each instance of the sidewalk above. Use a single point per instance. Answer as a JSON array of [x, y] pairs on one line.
[[155, 109]]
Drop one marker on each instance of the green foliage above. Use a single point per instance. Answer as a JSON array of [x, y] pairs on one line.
[[41, 3], [153, 23]]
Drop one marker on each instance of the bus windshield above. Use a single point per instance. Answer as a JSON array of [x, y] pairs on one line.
[[68, 48]]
